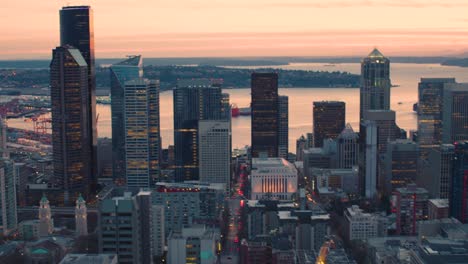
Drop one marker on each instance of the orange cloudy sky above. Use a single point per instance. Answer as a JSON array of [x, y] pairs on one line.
[[195, 28]]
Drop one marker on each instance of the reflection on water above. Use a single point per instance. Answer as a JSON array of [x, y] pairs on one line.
[[300, 101]]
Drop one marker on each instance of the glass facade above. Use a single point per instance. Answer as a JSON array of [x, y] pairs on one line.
[[329, 120], [458, 199], [265, 138], [129, 69], [70, 130], [283, 127], [77, 30]]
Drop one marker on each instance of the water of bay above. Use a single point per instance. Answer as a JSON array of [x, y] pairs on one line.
[[403, 97]]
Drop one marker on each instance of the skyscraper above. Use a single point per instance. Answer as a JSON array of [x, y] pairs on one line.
[[283, 127], [125, 227], [129, 69], [455, 113], [301, 145], [3, 139], [214, 139], [430, 106], [458, 198], [348, 148], [375, 83], [142, 135], [329, 120], [8, 212], [436, 174], [194, 100], [69, 93], [265, 138], [400, 164], [368, 159], [77, 30]]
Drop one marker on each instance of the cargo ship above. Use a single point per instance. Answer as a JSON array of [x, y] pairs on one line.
[[242, 111]]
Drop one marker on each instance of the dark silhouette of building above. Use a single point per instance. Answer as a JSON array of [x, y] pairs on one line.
[[458, 198], [129, 69], [329, 120], [77, 30], [283, 127], [375, 83], [265, 138], [194, 100], [70, 127]]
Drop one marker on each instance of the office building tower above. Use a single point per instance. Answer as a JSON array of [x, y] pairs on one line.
[[375, 83], [301, 145], [368, 159], [77, 30], [196, 244], [273, 179], [194, 100], [125, 227], [387, 131], [458, 198], [81, 217], [455, 113], [436, 176], [159, 236], [214, 139], [410, 206], [46, 222], [142, 135], [329, 120], [265, 138], [316, 158], [121, 72], [400, 164], [3, 139], [72, 147], [283, 127], [8, 212], [188, 203], [348, 148], [430, 106]]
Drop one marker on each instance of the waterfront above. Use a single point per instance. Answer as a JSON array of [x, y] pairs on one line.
[[403, 97]]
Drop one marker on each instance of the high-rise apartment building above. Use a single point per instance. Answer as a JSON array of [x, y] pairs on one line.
[[125, 227], [375, 83], [8, 212], [194, 100], [214, 139], [142, 135], [329, 120], [121, 72], [283, 127], [458, 198], [72, 147], [265, 112], [77, 30], [455, 113], [347, 148]]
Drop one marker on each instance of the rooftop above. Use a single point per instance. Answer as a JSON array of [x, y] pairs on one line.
[[89, 259], [440, 203], [134, 60]]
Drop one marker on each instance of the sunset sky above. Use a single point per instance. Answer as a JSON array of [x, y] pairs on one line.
[[213, 28]]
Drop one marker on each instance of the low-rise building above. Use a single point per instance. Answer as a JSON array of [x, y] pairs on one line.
[[438, 209], [360, 225], [89, 259]]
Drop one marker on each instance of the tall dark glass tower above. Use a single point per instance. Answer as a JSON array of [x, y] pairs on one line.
[[121, 72], [329, 120], [70, 130], [194, 100], [77, 30], [265, 136], [458, 197], [375, 83]]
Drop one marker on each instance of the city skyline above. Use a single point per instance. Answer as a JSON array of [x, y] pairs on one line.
[[337, 28]]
